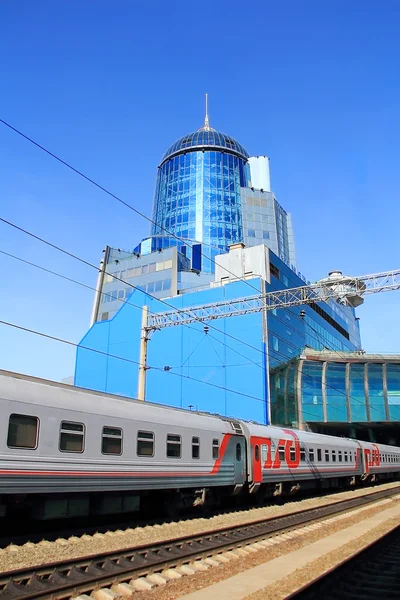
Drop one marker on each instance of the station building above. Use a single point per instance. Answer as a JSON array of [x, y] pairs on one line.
[[219, 234]]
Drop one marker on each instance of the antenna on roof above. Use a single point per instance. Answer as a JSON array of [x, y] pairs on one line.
[[206, 120]]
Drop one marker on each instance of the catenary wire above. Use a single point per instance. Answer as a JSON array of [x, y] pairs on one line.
[[123, 202], [253, 347], [83, 261], [161, 369], [69, 343], [71, 280], [93, 182]]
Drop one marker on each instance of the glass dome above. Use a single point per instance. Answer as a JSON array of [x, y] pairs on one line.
[[203, 138]]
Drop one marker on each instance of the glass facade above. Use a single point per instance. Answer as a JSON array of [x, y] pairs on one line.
[[393, 390], [311, 392], [335, 385], [329, 390], [376, 392], [266, 222], [198, 192], [358, 406]]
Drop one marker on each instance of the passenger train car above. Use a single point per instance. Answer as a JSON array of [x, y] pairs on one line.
[[69, 452]]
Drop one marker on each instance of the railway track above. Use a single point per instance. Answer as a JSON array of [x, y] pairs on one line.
[[371, 574], [62, 580]]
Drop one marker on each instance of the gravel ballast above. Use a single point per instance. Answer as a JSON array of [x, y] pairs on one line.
[[15, 557]]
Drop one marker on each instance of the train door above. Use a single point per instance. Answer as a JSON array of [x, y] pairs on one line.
[[240, 460]]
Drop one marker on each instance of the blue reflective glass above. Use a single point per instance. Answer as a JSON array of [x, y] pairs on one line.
[[201, 189], [375, 390], [336, 392], [393, 390], [312, 392], [358, 410]]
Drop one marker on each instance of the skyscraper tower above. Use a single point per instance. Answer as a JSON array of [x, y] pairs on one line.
[[197, 195], [210, 194]]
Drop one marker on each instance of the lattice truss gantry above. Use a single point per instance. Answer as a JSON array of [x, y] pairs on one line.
[[346, 290]]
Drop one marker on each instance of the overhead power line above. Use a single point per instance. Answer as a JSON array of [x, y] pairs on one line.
[[89, 264], [128, 360], [121, 201]]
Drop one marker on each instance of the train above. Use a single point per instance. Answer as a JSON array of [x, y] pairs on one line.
[[69, 452]]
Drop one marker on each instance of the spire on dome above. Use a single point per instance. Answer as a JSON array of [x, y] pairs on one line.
[[206, 120]]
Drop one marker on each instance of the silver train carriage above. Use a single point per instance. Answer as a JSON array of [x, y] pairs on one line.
[[69, 452]]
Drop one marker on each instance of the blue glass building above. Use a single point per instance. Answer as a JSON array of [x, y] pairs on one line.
[[198, 187], [209, 195]]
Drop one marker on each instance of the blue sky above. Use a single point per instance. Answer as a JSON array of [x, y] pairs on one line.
[[109, 86]]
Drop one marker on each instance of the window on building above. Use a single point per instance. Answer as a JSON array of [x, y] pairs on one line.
[[150, 287], [266, 235], [275, 343], [251, 232], [195, 447], [104, 316], [22, 431], [152, 267], [174, 444], [215, 449], [145, 269], [130, 273], [166, 284], [121, 294], [72, 436], [168, 264], [158, 286], [274, 270], [111, 441], [145, 443], [285, 280], [319, 454]]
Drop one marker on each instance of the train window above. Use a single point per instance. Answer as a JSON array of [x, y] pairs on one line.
[[281, 451], [215, 449], [239, 452], [340, 457], [195, 447], [72, 436], [333, 455], [292, 454], [145, 443], [111, 440], [311, 454], [264, 452], [174, 443], [326, 455], [22, 431], [319, 454], [345, 457], [302, 455]]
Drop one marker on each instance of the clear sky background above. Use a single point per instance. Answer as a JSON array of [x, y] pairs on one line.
[[108, 86]]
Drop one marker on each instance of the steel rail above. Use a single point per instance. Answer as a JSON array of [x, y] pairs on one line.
[[63, 579]]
